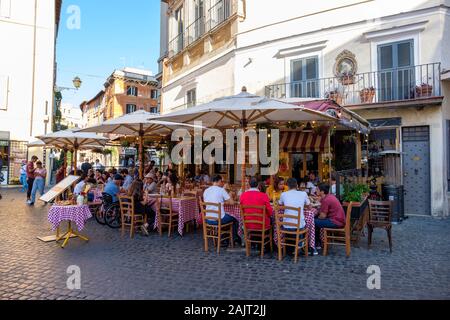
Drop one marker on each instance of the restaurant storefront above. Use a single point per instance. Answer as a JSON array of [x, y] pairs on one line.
[[12, 154]]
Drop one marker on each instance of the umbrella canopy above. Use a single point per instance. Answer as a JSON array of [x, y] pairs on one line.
[[230, 111], [37, 143], [134, 123], [244, 109], [73, 140], [140, 123]]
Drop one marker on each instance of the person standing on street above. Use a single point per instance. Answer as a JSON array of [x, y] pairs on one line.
[[30, 176], [23, 176], [86, 166], [40, 174]]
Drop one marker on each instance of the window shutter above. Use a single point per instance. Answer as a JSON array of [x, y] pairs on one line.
[[5, 8]]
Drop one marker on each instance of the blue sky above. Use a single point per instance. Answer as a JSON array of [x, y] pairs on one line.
[[112, 34]]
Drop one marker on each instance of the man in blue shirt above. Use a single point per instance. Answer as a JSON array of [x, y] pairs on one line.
[[128, 180], [113, 187]]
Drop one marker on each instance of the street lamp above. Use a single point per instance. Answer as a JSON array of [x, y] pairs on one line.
[[76, 85], [58, 98]]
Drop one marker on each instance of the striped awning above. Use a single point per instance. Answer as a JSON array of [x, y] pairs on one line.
[[302, 142]]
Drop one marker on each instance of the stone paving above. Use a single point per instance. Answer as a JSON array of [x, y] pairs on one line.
[[157, 267]]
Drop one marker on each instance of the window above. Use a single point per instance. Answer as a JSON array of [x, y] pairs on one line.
[[131, 108], [179, 28], [5, 8], [132, 91], [4, 84], [154, 110], [304, 75], [191, 97], [396, 70], [154, 94]]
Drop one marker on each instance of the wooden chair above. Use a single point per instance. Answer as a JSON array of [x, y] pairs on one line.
[[380, 214], [166, 215], [286, 231], [264, 233], [218, 231], [129, 218], [339, 236]]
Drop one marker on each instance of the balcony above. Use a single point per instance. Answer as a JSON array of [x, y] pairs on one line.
[[400, 84], [216, 15]]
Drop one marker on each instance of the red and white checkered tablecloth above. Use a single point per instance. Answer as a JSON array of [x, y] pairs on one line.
[[77, 214], [187, 209]]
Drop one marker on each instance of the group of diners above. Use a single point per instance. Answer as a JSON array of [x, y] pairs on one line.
[[330, 215]]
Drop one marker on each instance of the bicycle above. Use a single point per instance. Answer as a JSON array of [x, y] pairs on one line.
[[109, 213]]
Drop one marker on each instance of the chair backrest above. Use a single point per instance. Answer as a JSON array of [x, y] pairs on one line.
[[281, 216], [348, 216], [257, 217], [126, 205], [380, 211], [189, 194], [211, 211], [166, 204]]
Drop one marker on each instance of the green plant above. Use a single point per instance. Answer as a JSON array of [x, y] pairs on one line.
[[355, 192], [293, 125]]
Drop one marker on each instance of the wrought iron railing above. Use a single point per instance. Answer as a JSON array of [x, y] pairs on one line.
[[219, 12], [176, 45], [406, 83], [194, 31]]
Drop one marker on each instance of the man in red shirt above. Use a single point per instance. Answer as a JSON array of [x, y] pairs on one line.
[[331, 215], [254, 197], [30, 176]]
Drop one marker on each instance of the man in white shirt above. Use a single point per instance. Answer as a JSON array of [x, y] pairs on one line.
[[79, 187], [217, 194], [296, 199], [97, 165]]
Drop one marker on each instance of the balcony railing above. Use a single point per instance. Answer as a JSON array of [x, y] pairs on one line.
[[219, 12], [194, 31], [406, 83]]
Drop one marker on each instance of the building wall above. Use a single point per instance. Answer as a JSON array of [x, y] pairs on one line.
[[265, 38], [16, 65]]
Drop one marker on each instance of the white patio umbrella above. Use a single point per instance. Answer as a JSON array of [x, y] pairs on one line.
[[139, 123], [71, 139], [242, 110]]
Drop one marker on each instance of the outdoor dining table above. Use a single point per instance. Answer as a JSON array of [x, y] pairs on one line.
[[186, 207], [72, 213]]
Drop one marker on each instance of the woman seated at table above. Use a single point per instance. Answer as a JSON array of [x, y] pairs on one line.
[[274, 191], [150, 184], [98, 177], [136, 191]]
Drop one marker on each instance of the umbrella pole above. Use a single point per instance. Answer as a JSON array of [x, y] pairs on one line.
[[75, 161], [65, 162], [244, 127], [141, 152]]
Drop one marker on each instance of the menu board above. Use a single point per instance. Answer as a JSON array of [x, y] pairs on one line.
[[59, 188]]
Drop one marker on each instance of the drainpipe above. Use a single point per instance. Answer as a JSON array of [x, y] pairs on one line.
[[34, 68]]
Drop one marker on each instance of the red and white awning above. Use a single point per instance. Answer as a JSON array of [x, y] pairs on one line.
[[302, 142]]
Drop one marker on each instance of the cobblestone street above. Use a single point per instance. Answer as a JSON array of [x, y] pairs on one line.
[[157, 267]]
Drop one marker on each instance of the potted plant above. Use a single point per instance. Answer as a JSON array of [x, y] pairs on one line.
[[366, 95], [424, 90], [347, 78], [334, 95], [358, 194]]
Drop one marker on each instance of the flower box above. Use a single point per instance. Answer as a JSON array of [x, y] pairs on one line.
[[424, 90], [366, 95], [336, 96]]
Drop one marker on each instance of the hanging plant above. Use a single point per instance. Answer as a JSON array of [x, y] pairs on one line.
[[351, 138], [106, 152], [125, 144], [321, 130], [293, 124], [266, 125]]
